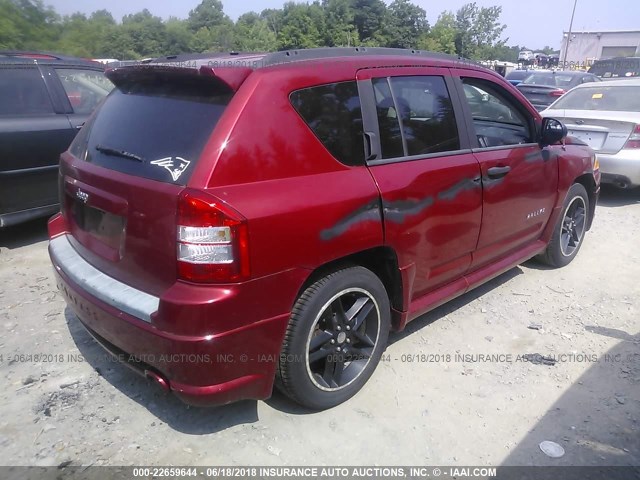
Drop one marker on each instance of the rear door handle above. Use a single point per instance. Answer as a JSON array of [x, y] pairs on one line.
[[371, 146], [498, 172]]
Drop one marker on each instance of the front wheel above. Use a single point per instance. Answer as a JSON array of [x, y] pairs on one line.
[[570, 230], [336, 335]]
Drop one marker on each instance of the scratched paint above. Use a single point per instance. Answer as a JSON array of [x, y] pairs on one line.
[[534, 156], [399, 210], [368, 212], [458, 188]]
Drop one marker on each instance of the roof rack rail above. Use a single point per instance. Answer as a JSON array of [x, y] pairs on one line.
[[290, 56], [333, 52], [39, 55], [183, 57]]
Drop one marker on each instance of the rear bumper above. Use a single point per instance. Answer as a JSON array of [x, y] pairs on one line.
[[621, 168], [202, 369]]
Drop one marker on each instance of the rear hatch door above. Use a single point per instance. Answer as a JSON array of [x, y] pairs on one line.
[[122, 176]]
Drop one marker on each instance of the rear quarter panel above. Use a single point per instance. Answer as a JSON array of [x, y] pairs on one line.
[[304, 208]]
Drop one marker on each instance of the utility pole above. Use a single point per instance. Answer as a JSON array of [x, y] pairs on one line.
[[566, 49]]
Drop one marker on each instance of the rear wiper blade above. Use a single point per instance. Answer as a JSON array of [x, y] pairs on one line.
[[119, 153]]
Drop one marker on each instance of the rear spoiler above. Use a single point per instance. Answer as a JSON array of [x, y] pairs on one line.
[[228, 79]]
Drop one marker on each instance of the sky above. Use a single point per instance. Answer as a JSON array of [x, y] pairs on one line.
[[534, 23]]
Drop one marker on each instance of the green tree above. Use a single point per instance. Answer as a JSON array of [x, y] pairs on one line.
[[479, 31], [369, 18], [219, 38], [407, 23], [252, 34], [179, 38], [273, 17], [28, 24], [442, 36], [77, 37], [140, 35], [340, 24], [209, 14], [302, 26]]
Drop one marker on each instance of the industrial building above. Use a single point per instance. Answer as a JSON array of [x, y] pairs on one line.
[[586, 47]]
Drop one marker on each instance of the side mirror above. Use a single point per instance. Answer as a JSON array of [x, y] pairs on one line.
[[553, 131]]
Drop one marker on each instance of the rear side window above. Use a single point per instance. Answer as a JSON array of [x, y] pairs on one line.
[[415, 115], [84, 88], [333, 113], [153, 129], [22, 92]]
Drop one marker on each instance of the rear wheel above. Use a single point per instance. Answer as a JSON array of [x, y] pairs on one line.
[[570, 230], [336, 335]]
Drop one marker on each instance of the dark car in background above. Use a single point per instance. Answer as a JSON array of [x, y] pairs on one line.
[[544, 88], [516, 77], [44, 100], [616, 68]]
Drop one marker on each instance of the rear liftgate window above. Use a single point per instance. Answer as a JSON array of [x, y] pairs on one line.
[[333, 113], [154, 129]]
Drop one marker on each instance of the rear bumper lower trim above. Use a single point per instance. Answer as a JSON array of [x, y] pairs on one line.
[[103, 287]]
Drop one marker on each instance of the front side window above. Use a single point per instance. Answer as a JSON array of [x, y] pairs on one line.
[[496, 119], [22, 92], [415, 115], [334, 115], [84, 88]]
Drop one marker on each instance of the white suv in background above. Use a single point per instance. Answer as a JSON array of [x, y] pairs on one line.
[[525, 56]]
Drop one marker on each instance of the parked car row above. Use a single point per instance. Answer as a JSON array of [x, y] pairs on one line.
[[527, 57], [542, 88]]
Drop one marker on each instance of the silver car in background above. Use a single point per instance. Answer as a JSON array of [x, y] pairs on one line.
[[606, 116]]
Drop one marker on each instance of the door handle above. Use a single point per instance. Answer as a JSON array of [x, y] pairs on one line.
[[370, 146], [498, 172]]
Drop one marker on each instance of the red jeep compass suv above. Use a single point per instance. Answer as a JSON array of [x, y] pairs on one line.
[[236, 220]]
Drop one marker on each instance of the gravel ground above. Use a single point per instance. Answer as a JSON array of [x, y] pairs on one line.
[[467, 398]]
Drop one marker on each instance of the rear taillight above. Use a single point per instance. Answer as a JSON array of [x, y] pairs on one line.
[[212, 240], [634, 138], [557, 93]]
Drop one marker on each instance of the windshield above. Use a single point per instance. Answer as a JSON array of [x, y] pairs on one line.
[[617, 99], [549, 79]]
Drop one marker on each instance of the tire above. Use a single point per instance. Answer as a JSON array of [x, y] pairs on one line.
[[337, 333], [570, 230]]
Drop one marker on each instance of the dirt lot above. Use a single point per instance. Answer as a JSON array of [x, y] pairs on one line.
[[449, 406]]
